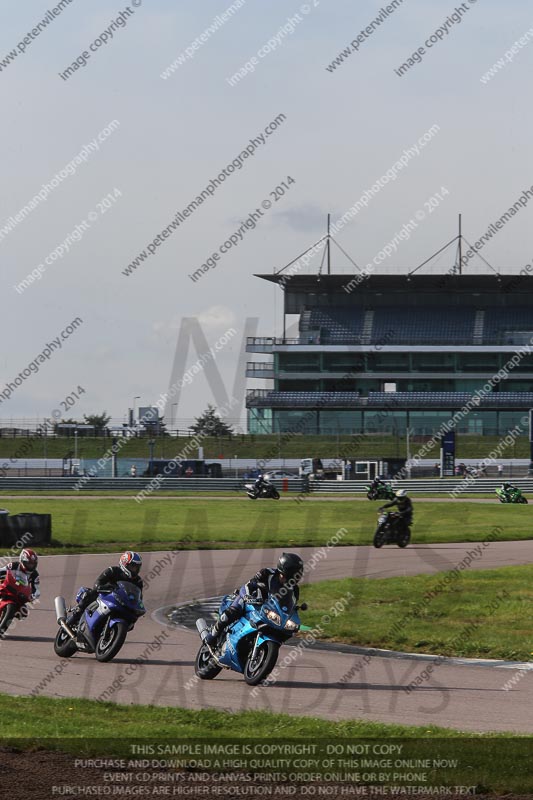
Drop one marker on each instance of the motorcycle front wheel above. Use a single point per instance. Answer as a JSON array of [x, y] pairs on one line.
[[380, 537], [264, 662], [110, 643], [6, 617], [252, 496], [64, 647], [274, 494], [205, 667], [524, 500], [370, 495]]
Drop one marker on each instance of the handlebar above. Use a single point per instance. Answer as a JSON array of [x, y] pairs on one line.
[[252, 600]]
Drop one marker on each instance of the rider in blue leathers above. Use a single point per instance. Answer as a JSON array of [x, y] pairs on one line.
[[265, 583]]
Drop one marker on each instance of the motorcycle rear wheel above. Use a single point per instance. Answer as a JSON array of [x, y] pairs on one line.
[[107, 648], [265, 661], [404, 539], [6, 617], [380, 537], [64, 647], [205, 668]]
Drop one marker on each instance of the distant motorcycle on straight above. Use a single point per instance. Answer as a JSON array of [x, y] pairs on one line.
[[514, 495], [390, 530], [379, 491], [267, 491]]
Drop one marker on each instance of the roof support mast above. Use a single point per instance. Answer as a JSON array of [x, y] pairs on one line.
[[328, 244], [460, 245]]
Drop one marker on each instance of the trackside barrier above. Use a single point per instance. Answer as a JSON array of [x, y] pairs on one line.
[[133, 485], [185, 485], [421, 486]]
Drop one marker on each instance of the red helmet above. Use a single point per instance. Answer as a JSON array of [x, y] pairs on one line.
[[28, 560], [130, 563]]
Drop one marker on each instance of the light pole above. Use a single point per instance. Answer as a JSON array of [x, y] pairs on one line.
[[151, 444], [137, 397], [408, 432], [172, 415]]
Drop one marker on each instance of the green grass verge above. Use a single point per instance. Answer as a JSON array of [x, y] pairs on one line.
[[460, 619], [254, 447], [90, 526], [84, 728], [43, 717]]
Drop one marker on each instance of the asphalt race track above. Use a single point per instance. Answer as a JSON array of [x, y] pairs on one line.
[[468, 697]]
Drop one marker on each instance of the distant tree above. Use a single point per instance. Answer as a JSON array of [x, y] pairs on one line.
[[209, 423], [100, 421]]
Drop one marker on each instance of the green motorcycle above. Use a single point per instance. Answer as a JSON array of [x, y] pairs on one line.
[[513, 495], [379, 491]]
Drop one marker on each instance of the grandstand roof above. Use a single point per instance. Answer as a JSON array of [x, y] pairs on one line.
[[488, 283]]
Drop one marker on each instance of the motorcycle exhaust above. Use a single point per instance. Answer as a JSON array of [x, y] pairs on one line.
[[61, 615], [202, 627], [61, 609], [67, 630]]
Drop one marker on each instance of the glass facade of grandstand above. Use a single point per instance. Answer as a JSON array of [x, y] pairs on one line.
[[393, 354]]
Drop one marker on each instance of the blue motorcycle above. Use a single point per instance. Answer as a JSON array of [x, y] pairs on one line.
[[250, 645], [104, 624]]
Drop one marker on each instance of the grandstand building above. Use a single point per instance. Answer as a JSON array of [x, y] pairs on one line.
[[395, 352]]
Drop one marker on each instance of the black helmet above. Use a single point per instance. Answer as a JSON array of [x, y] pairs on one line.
[[291, 566]]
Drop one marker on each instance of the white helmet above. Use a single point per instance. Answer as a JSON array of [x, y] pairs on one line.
[[401, 493]]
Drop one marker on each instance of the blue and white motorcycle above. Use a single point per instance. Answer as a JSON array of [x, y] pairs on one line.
[[250, 645], [104, 624]]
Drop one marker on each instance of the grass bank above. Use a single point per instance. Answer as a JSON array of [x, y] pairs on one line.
[[254, 447], [100, 524], [475, 614], [487, 763]]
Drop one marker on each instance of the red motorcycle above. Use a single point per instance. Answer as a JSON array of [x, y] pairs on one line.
[[15, 593]]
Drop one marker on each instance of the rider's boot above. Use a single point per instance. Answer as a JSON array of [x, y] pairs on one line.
[[225, 619]]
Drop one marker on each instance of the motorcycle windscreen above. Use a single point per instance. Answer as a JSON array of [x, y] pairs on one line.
[[129, 594]]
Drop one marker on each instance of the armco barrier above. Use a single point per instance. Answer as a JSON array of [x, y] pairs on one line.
[[236, 485], [133, 485], [422, 486]]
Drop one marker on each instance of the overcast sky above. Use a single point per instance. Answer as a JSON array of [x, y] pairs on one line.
[[343, 129]]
